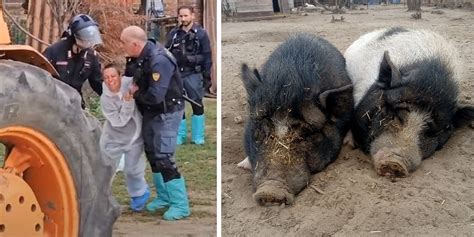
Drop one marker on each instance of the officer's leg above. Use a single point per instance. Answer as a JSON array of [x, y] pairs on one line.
[[193, 86], [195, 91], [148, 135], [183, 131], [165, 127]]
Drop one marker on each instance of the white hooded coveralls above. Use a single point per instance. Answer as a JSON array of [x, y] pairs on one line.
[[121, 135]]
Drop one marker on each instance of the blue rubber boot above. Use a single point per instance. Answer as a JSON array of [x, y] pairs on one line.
[[138, 203], [162, 200], [198, 126], [182, 133], [179, 204]]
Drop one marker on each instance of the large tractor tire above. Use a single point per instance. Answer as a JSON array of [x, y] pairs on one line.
[[52, 152]]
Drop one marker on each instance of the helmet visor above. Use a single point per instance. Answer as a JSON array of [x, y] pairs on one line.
[[89, 36]]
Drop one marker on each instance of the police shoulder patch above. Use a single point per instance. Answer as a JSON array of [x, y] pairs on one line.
[[156, 76]]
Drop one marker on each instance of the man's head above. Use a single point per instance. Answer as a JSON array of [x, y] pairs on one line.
[[186, 15], [85, 30], [111, 75], [134, 40]]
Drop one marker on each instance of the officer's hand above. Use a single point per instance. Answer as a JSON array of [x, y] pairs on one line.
[[133, 89], [130, 67], [206, 75], [182, 59]]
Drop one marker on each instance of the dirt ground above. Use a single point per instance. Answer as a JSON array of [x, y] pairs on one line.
[[132, 224], [202, 221], [435, 200]]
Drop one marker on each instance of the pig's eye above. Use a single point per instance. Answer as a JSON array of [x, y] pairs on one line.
[[263, 129], [402, 114], [431, 129], [258, 135], [259, 113], [434, 130], [293, 122], [400, 111]]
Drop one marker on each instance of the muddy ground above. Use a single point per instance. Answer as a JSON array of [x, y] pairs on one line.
[[132, 224], [202, 221], [435, 200]]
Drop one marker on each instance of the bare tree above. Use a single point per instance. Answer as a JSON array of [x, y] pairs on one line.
[[62, 11]]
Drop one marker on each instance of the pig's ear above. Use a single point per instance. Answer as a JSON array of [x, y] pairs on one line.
[[336, 93], [251, 79], [389, 74], [463, 116]]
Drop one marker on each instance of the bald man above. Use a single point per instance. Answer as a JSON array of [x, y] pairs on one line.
[[158, 92]]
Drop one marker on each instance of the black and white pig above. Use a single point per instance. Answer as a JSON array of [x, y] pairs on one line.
[[405, 93], [300, 107]]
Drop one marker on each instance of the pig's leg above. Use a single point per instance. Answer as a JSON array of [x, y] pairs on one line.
[[280, 174], [245, 164], [349, 139]]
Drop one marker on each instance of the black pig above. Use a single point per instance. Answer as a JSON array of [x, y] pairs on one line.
[[405, 91], [300, 108]]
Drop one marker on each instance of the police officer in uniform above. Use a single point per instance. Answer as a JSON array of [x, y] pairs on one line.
[[158, 93], [74, 56], [190, 45]]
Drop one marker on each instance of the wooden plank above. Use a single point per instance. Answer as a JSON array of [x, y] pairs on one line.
[[210, 24], [41, 23]]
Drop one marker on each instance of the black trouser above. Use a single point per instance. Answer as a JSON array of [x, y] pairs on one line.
[[194, 90], [160, 132]]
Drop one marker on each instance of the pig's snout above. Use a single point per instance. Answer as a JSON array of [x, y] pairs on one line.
[[389, 163], [273, 192]]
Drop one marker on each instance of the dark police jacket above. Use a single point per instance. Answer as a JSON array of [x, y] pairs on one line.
[[192, 50], [160, 87], [75, 69]]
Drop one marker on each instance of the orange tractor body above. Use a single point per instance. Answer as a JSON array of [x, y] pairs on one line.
[[38, 181]]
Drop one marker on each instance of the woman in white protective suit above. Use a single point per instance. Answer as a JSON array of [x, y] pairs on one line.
[[121, 135]]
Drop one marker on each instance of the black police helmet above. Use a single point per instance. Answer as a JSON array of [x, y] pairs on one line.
[[85, 30]]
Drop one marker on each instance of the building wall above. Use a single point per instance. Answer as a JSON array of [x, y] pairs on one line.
[[291, 4], [210, 24], [453, 3], [258, 7], [171, 7], [285, 5], [251, 7]]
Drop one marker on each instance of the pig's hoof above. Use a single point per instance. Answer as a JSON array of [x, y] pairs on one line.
[[349, 139], [245, 164], [273, 193], [391, 168]]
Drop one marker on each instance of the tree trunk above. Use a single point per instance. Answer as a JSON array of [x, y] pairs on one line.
[[414, 5]]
